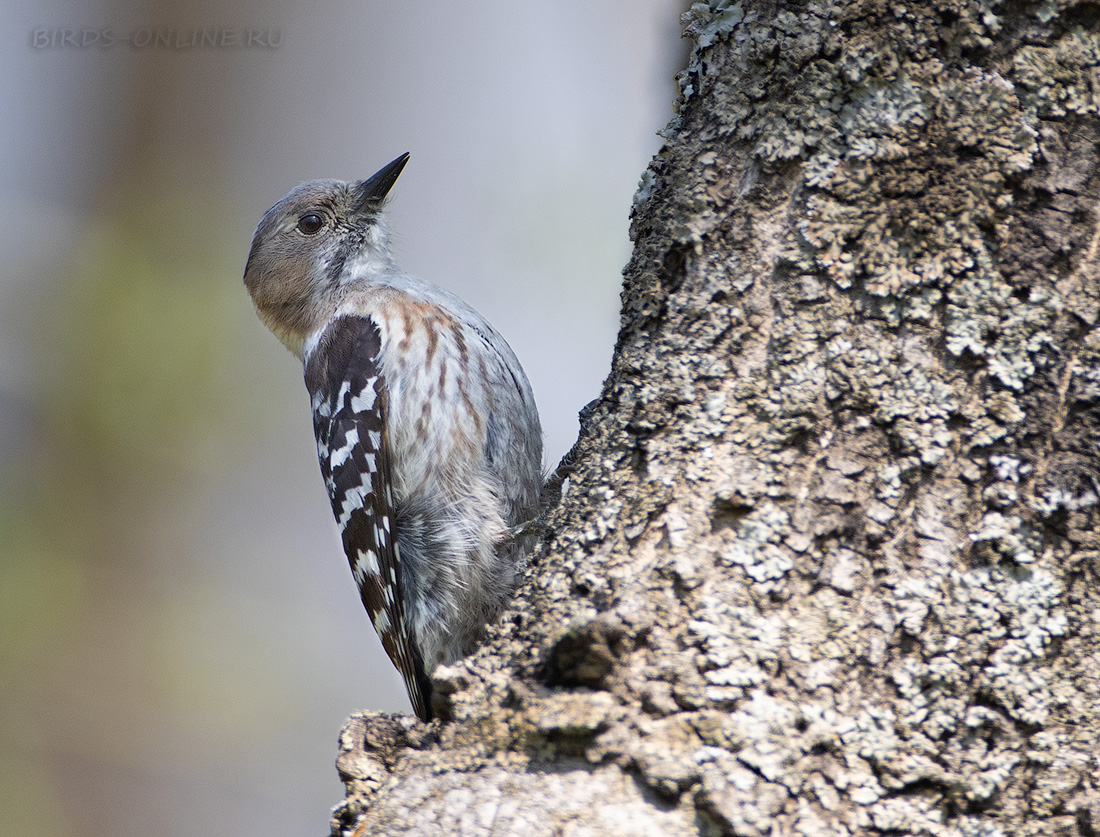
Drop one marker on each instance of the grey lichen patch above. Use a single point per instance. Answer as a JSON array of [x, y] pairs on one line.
[[644, 191], [1029, 617], [1008, 537], [900, 384], [763, 54], [740, 649], [986, 319], [1055, 77], [709, 22], [757, 546], [905, 197], [1009, 621], [793, 398], [735, 799]]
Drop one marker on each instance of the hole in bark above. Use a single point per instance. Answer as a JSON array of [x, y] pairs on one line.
[[638, 457], [675, 267], [584, 656], [852, 525], [977, 807], [958, 423], [1040, 198], [726, 514], [570, 742], [1083, 820], [662, 795], [935, 791], [511, 700], [802, 439]]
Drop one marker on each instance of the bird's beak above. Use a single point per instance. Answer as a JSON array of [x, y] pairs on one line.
[[375, 188]]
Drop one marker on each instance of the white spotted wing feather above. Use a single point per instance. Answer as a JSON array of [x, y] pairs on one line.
[[349, 401]]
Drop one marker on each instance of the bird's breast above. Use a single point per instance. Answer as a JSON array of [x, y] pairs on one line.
[[439, 394]]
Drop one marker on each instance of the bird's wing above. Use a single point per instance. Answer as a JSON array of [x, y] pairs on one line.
[[348, 395]]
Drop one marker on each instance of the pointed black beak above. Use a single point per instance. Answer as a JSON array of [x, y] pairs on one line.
[[374, 189]]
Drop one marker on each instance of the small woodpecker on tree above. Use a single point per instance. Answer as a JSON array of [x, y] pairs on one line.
[[427, 431]]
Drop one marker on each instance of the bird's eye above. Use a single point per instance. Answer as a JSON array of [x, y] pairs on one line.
[[310, 224]]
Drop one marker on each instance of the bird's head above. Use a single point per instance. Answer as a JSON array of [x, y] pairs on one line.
[[308, 246]]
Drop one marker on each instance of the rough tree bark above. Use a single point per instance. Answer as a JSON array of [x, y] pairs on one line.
[[828, 562]]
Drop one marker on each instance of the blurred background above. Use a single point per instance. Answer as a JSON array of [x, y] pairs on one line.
[[180, 636]]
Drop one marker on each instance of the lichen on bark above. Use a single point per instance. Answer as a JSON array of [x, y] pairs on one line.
[[826, 563]]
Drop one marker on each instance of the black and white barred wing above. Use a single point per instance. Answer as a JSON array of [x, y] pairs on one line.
[[348, 396]]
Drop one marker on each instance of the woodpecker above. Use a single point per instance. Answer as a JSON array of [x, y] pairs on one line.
[[427, 431]]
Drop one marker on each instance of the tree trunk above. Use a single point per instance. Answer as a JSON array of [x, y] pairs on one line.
[[827, 563]]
